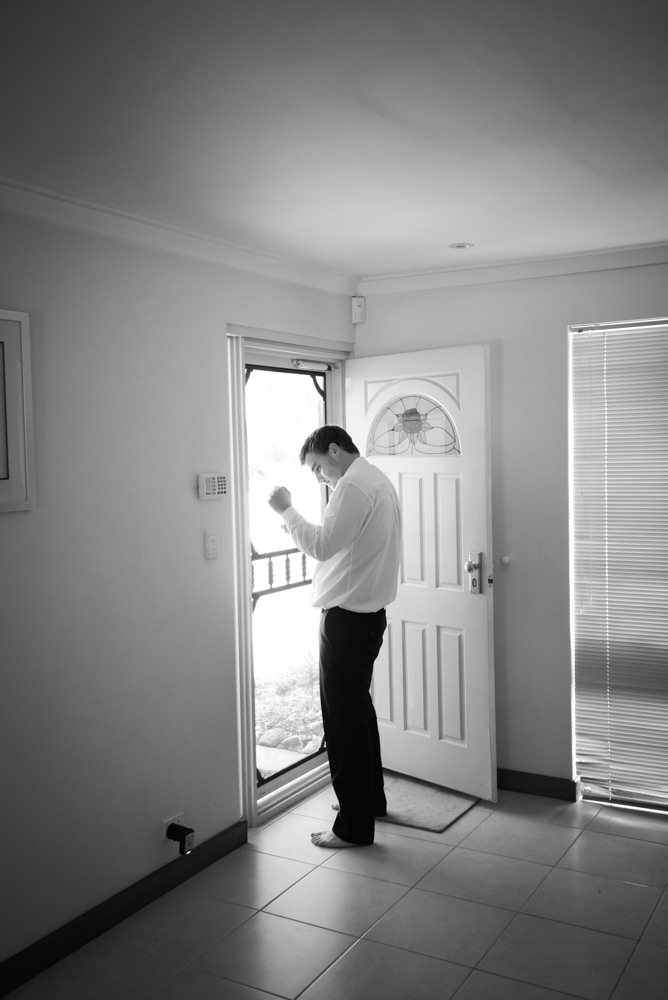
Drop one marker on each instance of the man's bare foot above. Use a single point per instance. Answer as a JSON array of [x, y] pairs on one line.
[[326, 838]]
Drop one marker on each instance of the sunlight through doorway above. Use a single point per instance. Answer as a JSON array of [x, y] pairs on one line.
[[282, 408]]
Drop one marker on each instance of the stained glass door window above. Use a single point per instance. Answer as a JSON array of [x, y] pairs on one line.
[[413, 425]]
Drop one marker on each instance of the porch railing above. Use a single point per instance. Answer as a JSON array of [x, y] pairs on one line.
[[283, 569]]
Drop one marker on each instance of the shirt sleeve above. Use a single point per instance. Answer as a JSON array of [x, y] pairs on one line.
[[344, 518]]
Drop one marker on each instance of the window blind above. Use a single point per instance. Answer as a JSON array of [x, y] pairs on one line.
[[619, 560]]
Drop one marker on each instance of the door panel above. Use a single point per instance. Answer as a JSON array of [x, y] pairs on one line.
[[422, 418], [413, 540], [450, 685], [448, 531]]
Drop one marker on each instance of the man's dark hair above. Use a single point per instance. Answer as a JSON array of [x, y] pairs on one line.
[[320, 440]]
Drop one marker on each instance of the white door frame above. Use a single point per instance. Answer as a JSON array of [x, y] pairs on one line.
[[255, 806]]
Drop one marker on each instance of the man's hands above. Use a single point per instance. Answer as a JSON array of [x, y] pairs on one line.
[[280, 499]]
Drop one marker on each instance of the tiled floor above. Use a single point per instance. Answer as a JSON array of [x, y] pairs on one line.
[[531, 899]]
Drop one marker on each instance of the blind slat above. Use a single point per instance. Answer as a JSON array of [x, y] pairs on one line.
[[619, 539]]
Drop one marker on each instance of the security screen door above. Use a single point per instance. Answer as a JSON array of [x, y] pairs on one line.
[[422, 418], [282, 408]]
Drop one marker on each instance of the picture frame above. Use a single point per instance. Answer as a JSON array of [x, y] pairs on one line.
[[17, 463]]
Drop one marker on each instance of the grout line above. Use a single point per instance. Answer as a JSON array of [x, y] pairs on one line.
[[354, 939]]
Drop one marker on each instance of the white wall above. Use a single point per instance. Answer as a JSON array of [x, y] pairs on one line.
[[117, 700], [525, 324], [118, 694]]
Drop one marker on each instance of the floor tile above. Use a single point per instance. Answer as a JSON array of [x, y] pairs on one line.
[[274, 954], [603, 904], [559, 956], [485, 986], [632, 823], [524, 899], [470, 821], [619, 857], [371, 971], [193, 984], [100, 970], [520, 838], [338, 900], [395, 859], [646, 975], [656, 931], [248, 877], [545, 810], [178, 926], [318, 805], [290, 837], [485, 878], [456, 930]]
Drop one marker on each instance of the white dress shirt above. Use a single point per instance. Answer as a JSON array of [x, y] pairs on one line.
[[357, 544]]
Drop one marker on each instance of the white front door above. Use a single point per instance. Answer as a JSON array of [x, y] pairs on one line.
[[422, 417]]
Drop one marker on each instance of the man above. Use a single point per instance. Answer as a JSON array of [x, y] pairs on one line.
[[357, 553]]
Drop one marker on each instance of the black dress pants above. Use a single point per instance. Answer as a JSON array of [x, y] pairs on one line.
[[349, 645]]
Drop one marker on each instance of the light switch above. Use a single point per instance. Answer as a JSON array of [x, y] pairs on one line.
[[211, 544]]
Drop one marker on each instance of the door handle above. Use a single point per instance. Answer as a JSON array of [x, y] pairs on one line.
[[473, 567]]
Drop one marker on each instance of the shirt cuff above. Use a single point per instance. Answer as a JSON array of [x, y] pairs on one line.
[[289, 514]]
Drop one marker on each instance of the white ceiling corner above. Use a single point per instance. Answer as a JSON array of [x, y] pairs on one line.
[[345, 145]]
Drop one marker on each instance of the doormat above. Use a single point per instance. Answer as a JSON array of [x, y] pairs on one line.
[[427, 807]]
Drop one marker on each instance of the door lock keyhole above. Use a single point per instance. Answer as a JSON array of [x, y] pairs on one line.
[[473, 567]]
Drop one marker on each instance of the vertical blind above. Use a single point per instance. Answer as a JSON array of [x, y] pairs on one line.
[[619, 560]]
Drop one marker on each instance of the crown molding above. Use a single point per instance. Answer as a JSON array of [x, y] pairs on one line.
[[49, 207], [607, 260], [57, 210]]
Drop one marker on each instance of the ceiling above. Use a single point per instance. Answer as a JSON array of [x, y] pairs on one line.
[[359, 137]]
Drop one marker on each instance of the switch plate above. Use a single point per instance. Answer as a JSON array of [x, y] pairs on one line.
[[358, 308], [211, 544]]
